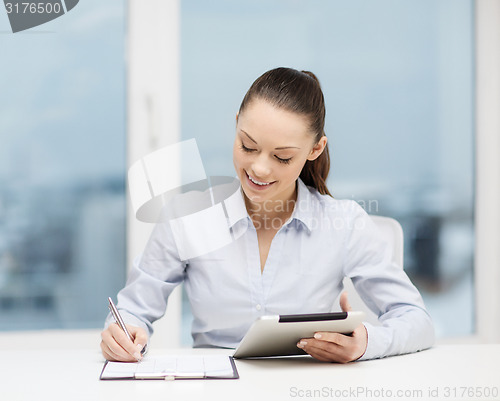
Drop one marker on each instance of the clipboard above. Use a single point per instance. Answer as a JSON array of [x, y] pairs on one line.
[[172, 367], [278, 335]]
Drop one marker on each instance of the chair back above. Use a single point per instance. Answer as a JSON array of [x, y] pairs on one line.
[[392, 231]]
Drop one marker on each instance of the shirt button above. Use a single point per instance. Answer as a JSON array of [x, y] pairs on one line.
[[258, 307]]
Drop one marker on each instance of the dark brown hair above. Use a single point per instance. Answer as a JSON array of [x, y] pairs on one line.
[[298, 92]]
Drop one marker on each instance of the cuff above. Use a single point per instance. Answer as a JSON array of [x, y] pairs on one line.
[[377, 342]]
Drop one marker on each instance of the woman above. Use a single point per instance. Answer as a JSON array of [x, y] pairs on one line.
[[293, 245]]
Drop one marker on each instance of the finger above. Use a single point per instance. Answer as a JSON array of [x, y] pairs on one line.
[[107, 338], [114, 349], [113, 352], [108, 353], [122, 341], [332, 337], [105, 352], [121, 338], [140, 339], [343, 348], [344, 302], [323, 351], [328, 346], [121, 356], [337, 355]]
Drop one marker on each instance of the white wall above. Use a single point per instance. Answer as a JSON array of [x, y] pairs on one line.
[[487, 263], [153, 60]]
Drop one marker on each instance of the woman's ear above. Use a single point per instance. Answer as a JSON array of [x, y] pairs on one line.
[[237, 114], [318, 148]]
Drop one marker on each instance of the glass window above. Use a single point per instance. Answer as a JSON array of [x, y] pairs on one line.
[[398, 82], [62, 168]]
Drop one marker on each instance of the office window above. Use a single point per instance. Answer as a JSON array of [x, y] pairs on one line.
[[62, 168], [398, 81]]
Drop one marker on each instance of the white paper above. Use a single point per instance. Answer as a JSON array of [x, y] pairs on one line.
[[216, 366], [182, 366]]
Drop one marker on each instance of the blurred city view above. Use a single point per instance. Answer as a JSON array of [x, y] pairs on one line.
[[62, 254], [62, 169]]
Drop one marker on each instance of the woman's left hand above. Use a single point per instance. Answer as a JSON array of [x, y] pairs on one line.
[[336, 347]]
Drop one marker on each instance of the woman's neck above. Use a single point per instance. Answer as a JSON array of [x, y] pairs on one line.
[[272, 213]]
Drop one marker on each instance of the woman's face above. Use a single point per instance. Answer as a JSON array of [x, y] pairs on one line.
[[270, 149]]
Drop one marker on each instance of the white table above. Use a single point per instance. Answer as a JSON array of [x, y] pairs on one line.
[[446, 372]]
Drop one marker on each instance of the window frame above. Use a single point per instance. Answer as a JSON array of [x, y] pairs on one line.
[[487, 213], [153, 119]]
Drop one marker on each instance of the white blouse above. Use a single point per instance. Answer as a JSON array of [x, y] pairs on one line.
[[324, 241]]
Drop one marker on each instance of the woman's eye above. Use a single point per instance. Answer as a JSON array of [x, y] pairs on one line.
[[245, 149], [250, 150], [285, 161]]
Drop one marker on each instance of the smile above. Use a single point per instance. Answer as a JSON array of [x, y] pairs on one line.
[[258, 183]]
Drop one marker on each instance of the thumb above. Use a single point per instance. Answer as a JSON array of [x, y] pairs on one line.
[[344, 302]]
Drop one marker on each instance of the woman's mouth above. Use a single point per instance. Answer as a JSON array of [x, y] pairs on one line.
[[260, 185]]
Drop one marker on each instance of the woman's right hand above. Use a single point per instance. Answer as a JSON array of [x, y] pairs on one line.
[[116, 346]]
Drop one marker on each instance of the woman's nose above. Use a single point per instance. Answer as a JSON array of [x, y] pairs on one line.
[[261, 168]]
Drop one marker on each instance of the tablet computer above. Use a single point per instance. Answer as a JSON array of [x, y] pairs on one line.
[[278, 335]]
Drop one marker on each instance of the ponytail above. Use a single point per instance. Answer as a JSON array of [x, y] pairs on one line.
[[315, 172]]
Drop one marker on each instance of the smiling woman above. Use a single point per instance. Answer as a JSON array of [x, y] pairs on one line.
[[277, 250], [297, 102], [284, 110], [269, 161]]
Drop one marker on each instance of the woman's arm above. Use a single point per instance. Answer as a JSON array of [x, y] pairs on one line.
[[151, 280], [386, 289]]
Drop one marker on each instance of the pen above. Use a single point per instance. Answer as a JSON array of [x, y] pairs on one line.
[[120, 321]]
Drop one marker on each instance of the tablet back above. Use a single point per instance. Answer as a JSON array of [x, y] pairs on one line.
[[278, 335]]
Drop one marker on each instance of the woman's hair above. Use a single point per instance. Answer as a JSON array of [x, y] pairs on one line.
[[298, 92]]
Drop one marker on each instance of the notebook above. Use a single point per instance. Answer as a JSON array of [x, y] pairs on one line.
[[172, 367]]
